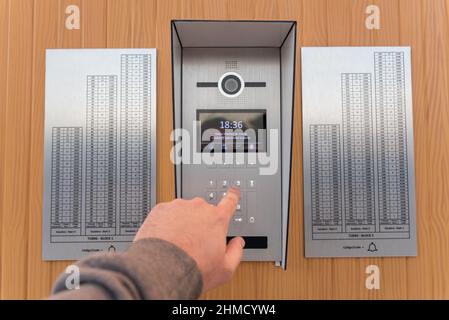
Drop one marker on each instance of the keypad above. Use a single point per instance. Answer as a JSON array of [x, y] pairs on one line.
[[216, 190]]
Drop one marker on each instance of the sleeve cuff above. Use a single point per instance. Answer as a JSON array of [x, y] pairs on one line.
[[150, 269]]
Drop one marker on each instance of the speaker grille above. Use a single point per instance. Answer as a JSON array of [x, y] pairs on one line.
[[231, 64], [229, 103]]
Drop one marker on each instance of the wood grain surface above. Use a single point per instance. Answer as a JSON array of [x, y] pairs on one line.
[[28, 27]]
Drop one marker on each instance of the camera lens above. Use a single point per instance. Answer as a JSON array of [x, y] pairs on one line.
[[231, 84]]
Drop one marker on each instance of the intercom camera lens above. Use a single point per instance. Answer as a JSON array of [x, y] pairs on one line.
[[231, 84]]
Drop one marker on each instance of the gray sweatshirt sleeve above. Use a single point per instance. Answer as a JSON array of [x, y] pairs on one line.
[[149, 269]]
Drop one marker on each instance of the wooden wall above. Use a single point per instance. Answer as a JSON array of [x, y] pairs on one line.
[[27, 27]]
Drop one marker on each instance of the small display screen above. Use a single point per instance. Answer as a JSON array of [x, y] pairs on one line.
[[232, 130]]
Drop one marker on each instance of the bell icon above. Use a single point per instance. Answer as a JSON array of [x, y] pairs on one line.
[[372, 247], [111, 249]]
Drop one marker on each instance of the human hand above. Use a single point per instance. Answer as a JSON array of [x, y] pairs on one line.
[[199, 229]]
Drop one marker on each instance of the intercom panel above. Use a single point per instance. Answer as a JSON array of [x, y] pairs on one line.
[[233, 85], [220, 93]]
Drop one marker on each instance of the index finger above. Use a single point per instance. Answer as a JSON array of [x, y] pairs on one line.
[[229, 202]]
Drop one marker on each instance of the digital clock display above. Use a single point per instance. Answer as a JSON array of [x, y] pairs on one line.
[[228, 130]]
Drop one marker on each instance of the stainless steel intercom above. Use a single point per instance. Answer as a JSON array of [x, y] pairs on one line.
[[233, 88]]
